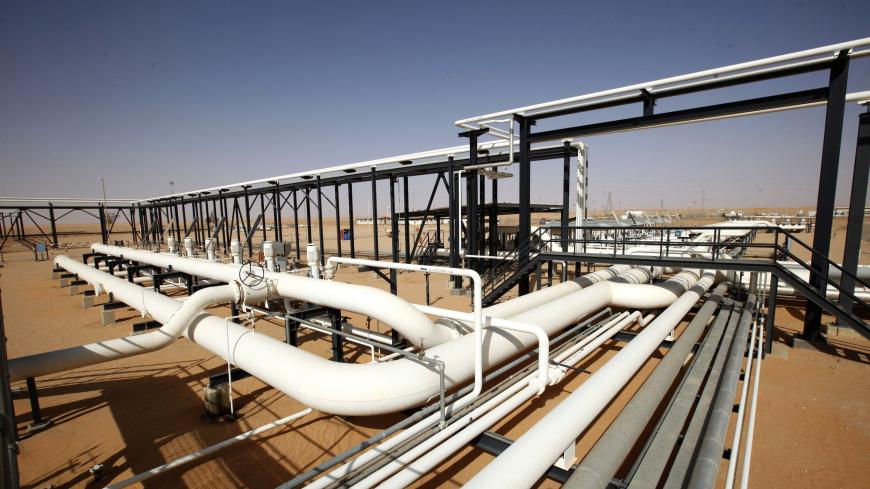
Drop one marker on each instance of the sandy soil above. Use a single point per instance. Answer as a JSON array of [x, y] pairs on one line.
[[137, 413]]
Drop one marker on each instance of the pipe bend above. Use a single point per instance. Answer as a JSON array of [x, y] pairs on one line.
[[175, 322]]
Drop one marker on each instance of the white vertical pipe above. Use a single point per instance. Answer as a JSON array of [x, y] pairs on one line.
[[582, 189]]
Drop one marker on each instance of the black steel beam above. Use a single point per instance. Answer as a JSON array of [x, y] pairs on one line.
[[337, 218], [786, 100], [837, 85], [350, 219], [724, 82], [525, 182], [857, 202], [320, 220], [375, 212]]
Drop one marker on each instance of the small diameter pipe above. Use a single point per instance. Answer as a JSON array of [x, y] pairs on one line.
[[412, 430], [477, 422], [747, 454], [499, 323], [606, 457], [191, 457], [738, 427], [461, 272], [522, 464], [709, 455]]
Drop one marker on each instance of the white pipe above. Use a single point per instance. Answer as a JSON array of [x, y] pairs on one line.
[[191, 457], [416, 428], [368, 301], [176, 317], [581, 185], [525, 302], [738, 427], [651, 85], [522, 464], [474, 423], [485, 145], [747, 454], [378, 388], [477, 289], [540, 334]]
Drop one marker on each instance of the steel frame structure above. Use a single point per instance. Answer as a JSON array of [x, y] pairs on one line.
[[225, 213]]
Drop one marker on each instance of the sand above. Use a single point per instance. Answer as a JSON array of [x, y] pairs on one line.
[[134, 414]]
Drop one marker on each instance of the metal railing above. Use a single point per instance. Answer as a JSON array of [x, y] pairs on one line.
[[705, 244]]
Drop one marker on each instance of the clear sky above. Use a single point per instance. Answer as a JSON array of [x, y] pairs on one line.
[[209, 93]]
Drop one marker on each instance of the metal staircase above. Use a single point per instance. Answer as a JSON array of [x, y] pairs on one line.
[[503, 274], [427, 252]]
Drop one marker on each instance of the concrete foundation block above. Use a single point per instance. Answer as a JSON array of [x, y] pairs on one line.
[[217, 400], [799, 343], [73, 289], [64, 282], [108, 317], [841, 331], [87, 301]]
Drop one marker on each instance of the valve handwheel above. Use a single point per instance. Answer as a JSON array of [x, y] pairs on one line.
[[252, 274]]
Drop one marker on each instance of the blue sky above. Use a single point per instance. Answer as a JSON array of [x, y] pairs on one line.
[[208, 93]]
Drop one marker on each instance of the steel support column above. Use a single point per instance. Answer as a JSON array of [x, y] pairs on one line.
[[827, 189], [453, 212], [407, 220], [375, 213], [337, 219], [103, 234], [296, 223], [350, 219], [858, 198], [769, 324], [525, 218], [493, 219], [473, 220], [320, 221], [566, 180], [394, 238], [308, 213], [53, 224]]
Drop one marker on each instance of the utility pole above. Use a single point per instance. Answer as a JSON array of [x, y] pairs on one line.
[[103, 184]]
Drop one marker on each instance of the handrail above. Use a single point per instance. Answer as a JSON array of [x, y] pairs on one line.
[[618, 239]]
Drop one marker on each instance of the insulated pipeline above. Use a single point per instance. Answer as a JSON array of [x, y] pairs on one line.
[[176, 317], [369, 301], [605, 458], [522, 464], [709, 458]]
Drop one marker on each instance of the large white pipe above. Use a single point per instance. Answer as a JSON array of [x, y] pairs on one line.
[[369, 301], [418, 427], [464, 430], [525, 302], [379, 388], [176, 317], [522, 464]]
